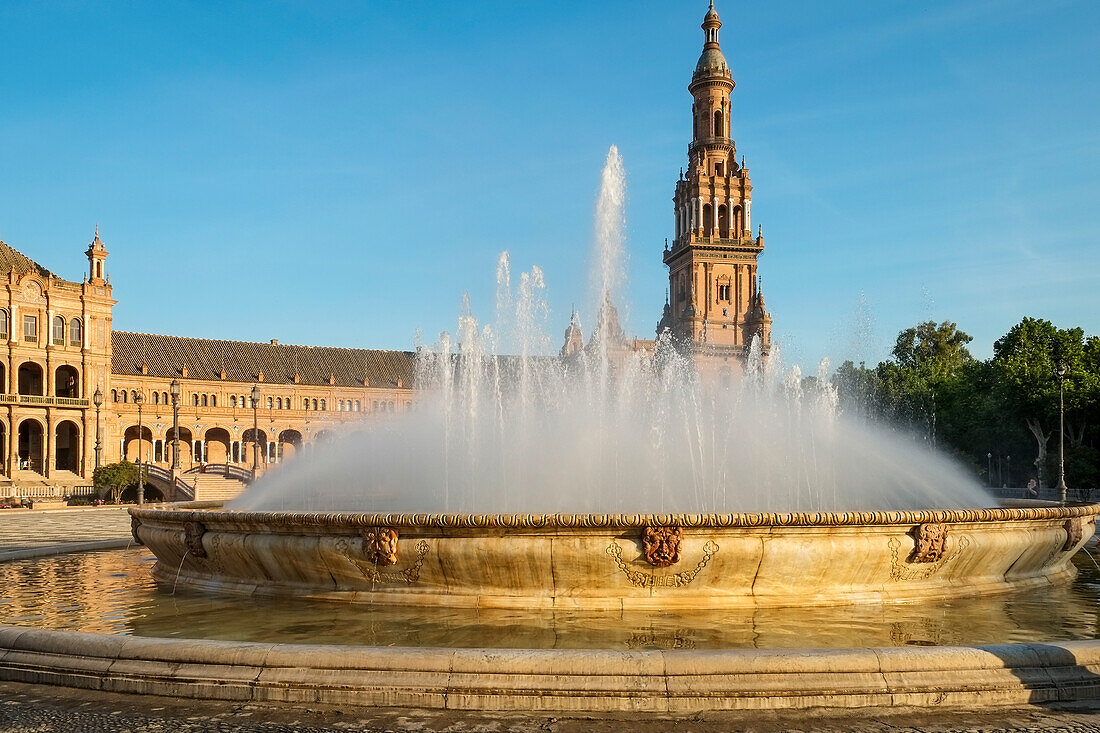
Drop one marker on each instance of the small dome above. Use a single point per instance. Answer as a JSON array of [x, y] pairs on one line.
[[711, 61], [712, 13]]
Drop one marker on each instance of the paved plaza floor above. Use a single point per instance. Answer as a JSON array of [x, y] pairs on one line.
[[26, 708], [26, 532]]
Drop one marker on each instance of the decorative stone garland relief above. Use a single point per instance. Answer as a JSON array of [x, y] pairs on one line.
[[382, 545], [650, 580], [930, 551]]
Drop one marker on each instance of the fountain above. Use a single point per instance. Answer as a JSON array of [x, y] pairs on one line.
[[613, 478], [614, 481]]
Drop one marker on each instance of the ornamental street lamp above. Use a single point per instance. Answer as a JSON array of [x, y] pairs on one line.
[[1061, 372], [97, 400], [255, 430], [989, 469], [174, 390], [141, 435]]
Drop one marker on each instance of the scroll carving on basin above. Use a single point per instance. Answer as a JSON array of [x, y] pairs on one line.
[[135, 524], [380, 545], [931, 541], [662, 545]]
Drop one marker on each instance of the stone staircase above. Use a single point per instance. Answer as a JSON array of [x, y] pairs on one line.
[[215, 487]]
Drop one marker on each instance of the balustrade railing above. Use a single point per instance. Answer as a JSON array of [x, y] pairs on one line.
[[183, 490], [34, 399], [225, 469]]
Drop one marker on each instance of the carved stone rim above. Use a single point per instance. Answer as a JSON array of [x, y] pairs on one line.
[[212, 513]]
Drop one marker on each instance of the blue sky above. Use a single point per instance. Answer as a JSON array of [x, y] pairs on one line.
[[340, 173]]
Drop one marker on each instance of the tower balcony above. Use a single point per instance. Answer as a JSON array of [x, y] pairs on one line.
[[711, 143]]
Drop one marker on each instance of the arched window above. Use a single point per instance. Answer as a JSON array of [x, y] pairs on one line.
[[305, 406], [708, 218], [391, 405], [278, 403], [156, 398], [125, 396], [204, 400], [194, 400], [324, 406], [270, 402], [58, 335], [164, 398], [76, 333], [233, 400], [4, 325], [315, 404], [213, 400], [719, 131], [340, 406], [723, 220], [133, 396], [357, 405], [114, 395]]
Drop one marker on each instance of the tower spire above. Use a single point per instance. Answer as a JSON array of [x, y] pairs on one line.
[[711, 260]]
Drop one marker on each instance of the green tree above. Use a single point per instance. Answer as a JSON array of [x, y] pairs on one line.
[[927, 359], [114, 478], [1027, 358]]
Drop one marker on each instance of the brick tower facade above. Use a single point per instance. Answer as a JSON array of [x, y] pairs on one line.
[[715, 307]]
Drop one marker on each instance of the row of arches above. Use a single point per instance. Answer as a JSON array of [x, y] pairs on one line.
[[729, 225], [30, 446], [214, 445], [30, 380]]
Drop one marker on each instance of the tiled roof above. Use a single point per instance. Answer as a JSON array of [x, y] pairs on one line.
[[13, 259], [242, 361]]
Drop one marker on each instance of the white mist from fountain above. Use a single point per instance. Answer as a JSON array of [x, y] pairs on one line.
[[607, 430]]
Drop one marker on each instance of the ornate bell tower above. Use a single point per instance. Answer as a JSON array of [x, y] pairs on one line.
[[715, 307]]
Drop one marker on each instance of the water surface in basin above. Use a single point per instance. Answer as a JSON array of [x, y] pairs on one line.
[[112, 592]]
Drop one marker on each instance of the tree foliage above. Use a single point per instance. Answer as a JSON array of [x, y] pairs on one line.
[[981, 410], [114, 478]]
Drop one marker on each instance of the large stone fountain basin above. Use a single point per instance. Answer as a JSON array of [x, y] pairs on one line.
[[616, 561]]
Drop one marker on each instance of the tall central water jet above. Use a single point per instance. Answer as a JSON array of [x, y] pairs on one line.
[[608, 429]]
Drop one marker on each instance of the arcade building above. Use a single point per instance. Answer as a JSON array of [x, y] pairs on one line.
[[75, 393]]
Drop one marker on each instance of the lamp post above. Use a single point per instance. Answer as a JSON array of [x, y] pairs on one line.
[[989, 469], [97, 400], [255, 430], [174, 390], [141, 437], [1008, 471], [1061, 372]]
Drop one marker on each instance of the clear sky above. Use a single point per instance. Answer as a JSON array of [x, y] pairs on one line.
[[340, 173]]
